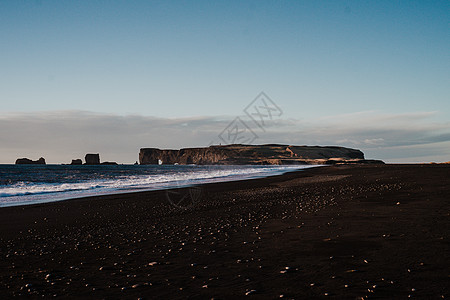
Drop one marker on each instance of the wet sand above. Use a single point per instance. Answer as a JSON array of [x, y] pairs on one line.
[[338, 232]]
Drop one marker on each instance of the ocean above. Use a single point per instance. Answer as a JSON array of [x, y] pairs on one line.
[[31, 184]]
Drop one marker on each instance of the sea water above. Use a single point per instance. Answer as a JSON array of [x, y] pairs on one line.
[[31, 184]]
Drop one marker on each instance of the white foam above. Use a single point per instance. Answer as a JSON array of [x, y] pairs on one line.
[[28, 193]]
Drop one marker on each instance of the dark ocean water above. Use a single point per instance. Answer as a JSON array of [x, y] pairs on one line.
[[29, 184]]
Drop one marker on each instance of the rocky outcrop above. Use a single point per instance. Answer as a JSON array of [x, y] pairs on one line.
[[272, 154], [26, 161], [92, 159], [110, 163], [76, 162]]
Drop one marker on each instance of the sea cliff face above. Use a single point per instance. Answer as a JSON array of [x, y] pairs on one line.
[[272, 154]]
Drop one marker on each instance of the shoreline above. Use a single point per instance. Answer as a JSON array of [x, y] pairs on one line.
[[158, 186], [118, 196], [337, 232]]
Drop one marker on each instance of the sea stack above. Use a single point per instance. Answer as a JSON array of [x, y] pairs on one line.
[[92, 159], [26, 161], [76, 162]]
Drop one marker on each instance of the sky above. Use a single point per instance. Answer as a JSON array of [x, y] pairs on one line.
[[111, 77]]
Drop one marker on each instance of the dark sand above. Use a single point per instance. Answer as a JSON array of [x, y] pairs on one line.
[[338, 232]]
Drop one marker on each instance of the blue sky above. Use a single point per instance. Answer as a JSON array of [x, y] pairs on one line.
[[172, 60]]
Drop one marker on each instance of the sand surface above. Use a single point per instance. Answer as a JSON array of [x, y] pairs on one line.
[[338, 232]]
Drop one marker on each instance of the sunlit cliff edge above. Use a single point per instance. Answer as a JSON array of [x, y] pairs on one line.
[[270, 154]]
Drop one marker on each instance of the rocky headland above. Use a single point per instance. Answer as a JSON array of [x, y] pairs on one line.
[[237, 154]]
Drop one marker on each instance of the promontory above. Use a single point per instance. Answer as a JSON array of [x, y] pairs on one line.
[[238, 154]]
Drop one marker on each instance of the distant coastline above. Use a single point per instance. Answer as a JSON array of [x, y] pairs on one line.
[[269, 154], [235, 154]]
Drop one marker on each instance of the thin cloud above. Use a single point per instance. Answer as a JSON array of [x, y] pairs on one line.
[[60, 136]]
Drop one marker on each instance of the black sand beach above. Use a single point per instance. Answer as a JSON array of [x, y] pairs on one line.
[[338, 232]]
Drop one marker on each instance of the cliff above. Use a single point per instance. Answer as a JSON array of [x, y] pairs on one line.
[[272, 154]]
